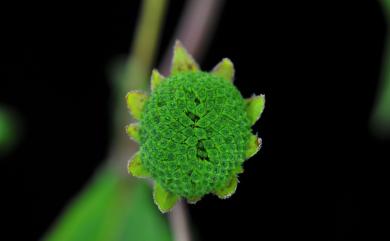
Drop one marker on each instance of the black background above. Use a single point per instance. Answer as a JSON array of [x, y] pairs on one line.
[[320, 173]]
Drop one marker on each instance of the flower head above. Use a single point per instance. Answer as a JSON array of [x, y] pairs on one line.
[[194, 131]]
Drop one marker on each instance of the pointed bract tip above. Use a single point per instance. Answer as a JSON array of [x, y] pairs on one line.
[[182, 61], [229, 189], [254, 145], [156, 79], [178, 44], [224, 69], [133, 131], [135, 102], [135, 167], [164, 200], [255, 107]]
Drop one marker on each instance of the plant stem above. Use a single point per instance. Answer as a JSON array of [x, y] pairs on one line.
[[134, 75], [179, 222]]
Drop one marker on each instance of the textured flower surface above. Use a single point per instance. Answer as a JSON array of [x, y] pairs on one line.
[[194, 131]]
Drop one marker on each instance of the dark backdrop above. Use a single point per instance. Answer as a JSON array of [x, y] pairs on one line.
[[319, 173]]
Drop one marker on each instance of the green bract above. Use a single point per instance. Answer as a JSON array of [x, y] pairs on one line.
[[194, 131]]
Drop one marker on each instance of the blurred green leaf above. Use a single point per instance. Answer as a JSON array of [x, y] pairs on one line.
[[8, 130], [111, 208], [380, 122], [114, 207]]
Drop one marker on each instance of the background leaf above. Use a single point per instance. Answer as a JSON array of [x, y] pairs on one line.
[[111, 208]]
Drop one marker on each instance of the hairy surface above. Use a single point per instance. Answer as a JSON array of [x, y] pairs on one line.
[[194, 131]]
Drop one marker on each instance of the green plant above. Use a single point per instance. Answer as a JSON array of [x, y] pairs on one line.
[[380, 119], [9, 129], [194, 131]]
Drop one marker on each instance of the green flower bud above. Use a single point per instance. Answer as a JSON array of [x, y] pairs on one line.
[[194, 131]]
